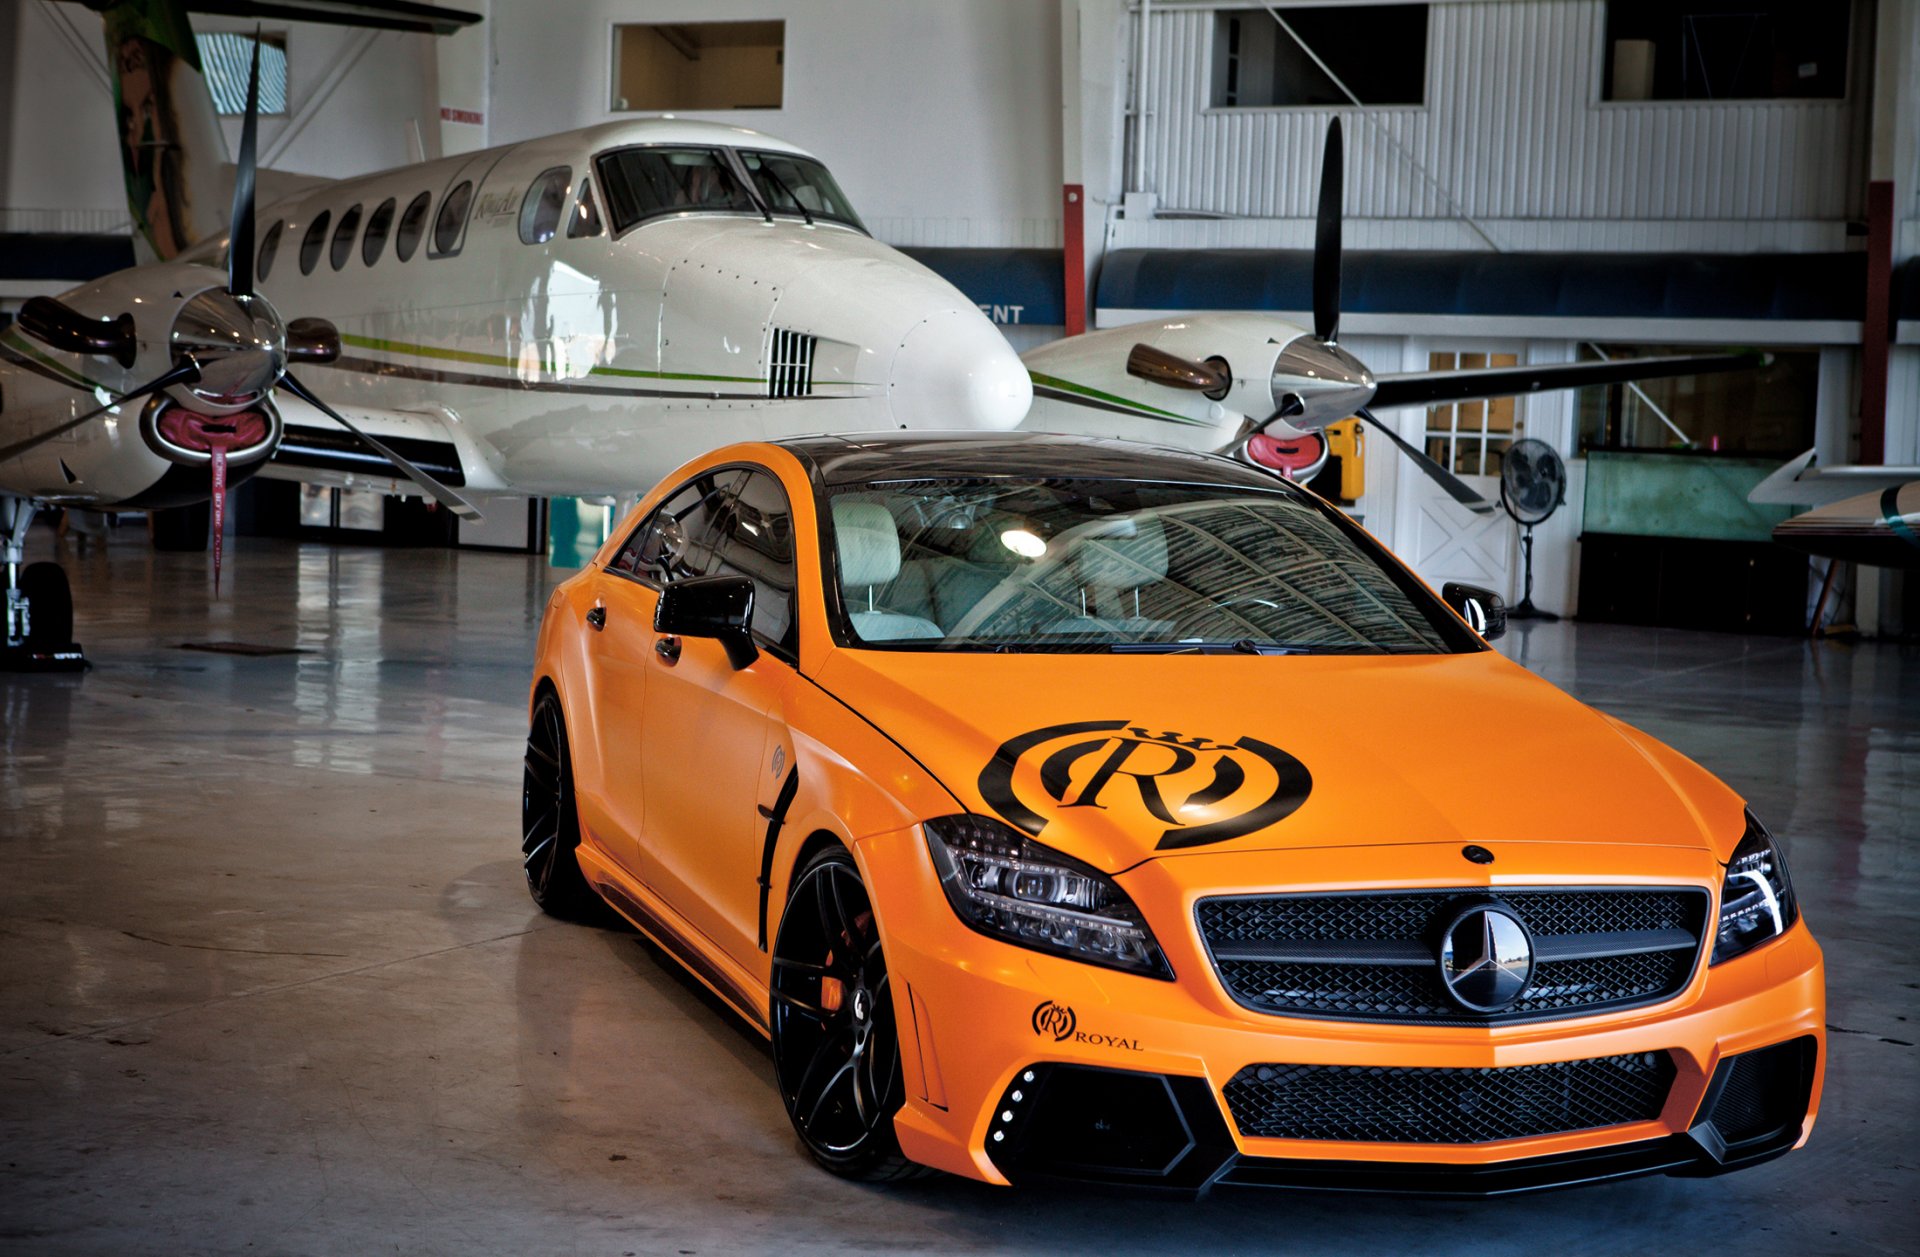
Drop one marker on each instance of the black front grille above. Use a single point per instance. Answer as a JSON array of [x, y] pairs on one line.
[[1369, 1104], [1374, 957]]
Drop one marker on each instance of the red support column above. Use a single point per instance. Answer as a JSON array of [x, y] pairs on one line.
[[1878, 324], [1073, 219]]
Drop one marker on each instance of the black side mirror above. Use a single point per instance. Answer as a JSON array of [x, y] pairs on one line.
[[1483, 610], [711, 606]]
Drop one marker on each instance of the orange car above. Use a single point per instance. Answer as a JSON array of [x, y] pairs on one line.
[[1073, 810]]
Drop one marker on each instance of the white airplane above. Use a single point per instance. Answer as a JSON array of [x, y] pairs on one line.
[[577, 315], [1860, 514]]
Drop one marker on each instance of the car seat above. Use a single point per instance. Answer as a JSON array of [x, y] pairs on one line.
[[868, 547]]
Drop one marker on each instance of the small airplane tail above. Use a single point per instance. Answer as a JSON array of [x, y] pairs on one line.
[[172, 150]]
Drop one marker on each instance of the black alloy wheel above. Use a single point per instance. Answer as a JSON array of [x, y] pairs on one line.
[[549, 824], [836, 1046]]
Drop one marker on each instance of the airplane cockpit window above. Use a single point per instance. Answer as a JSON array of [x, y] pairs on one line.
[[377, 228], [452, 218], [586, 218], [314, 241], [343, 238], [799, 186], [413, 225], [543, 204], [270, 246], [641, 183]]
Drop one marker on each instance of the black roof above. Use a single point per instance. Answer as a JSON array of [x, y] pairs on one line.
[[837, 460]]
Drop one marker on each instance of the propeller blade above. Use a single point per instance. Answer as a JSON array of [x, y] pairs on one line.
[[185, 373], [1148, 363], [1456, 488], [1326, 238], [240, 223], [437, 491], [1426, 388]]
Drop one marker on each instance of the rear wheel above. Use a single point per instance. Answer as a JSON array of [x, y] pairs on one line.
[[49, 606], [836, 1047], [549, 823]]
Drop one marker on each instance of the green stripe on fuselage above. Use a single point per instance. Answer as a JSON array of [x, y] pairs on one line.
[[1113, 399]]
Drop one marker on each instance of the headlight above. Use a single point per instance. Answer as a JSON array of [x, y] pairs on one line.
[[1756, 899], [1005, 885]]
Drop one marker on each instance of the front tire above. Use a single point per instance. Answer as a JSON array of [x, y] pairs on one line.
[[836, 1045], [549, 822]]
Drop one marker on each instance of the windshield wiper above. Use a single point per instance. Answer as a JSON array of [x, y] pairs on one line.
[[781, 184], [1244, 646]]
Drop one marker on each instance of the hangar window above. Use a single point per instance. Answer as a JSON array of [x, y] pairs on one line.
[[270, 246], [413, 225], [377, 228], [644, 182], [1767, 412], [451, 220], [698, 65], [586, 218], [343, 238], [1726, 50], [1471, 438], [1266, 58], [314, 241], [227, 59], [543, 204]]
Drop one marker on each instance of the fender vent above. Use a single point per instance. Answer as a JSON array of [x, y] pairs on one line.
[[790, 364]]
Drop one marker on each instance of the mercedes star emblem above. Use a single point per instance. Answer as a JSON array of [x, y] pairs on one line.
[[1486, 958]]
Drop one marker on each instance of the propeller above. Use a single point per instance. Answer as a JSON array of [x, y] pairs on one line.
[[230, 351], [1455, 487], [1326, 237]]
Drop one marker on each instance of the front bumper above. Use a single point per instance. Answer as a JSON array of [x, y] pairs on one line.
[[1121, 1078]]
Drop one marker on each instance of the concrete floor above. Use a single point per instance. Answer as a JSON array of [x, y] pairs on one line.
[[270, 981]]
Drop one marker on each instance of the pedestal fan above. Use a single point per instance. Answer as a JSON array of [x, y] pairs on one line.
[[1533, 484]]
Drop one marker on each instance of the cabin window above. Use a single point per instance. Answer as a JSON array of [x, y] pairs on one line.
[[377, 228], [586, 218], [413, 225], [1726, 50], [448, 224], [343, 238], [227, 59], [314, 241], [541, 208], [1376, 51], [269, 246], [698, 65], [643, 182]]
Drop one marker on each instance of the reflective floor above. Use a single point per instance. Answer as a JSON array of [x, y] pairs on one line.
[[270, 982]]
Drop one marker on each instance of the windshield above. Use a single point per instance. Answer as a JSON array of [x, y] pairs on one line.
[[643, 182], [791, 185], [1118, 566]]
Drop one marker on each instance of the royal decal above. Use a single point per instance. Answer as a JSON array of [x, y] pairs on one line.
[[1196, 790]]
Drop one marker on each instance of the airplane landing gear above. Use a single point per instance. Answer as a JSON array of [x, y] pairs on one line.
[[39, 605]]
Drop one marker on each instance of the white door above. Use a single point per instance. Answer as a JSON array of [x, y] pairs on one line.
[[1441, 539]]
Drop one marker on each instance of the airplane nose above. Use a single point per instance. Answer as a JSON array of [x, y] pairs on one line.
[[955, 370]]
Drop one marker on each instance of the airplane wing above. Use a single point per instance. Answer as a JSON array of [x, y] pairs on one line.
[[315, 450], [1800, 483]]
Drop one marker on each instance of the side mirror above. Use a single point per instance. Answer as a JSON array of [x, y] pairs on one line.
[[711, 606], [1484, 611]]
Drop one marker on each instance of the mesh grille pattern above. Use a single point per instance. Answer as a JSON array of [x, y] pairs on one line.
[[1352, 988], [1447, 1106]]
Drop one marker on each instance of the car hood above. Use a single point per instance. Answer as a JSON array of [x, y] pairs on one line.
[[1117, 759]]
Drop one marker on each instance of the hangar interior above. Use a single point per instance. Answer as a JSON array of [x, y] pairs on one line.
[[274, 983]]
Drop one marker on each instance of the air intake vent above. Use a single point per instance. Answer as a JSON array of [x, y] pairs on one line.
[[790, 364]]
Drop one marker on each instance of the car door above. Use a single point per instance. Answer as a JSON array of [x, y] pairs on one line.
[[672, 542], [716, 749]]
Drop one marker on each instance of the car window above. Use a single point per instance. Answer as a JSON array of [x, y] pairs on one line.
[[448, 224], [413, 225], [270, 246], [377, 228], [314, 241], [541, 207], [675, 541], [753, 537], [343, 238]]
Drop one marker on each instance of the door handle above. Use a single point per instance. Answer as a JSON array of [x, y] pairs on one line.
[[668, 648], [597, 618]]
